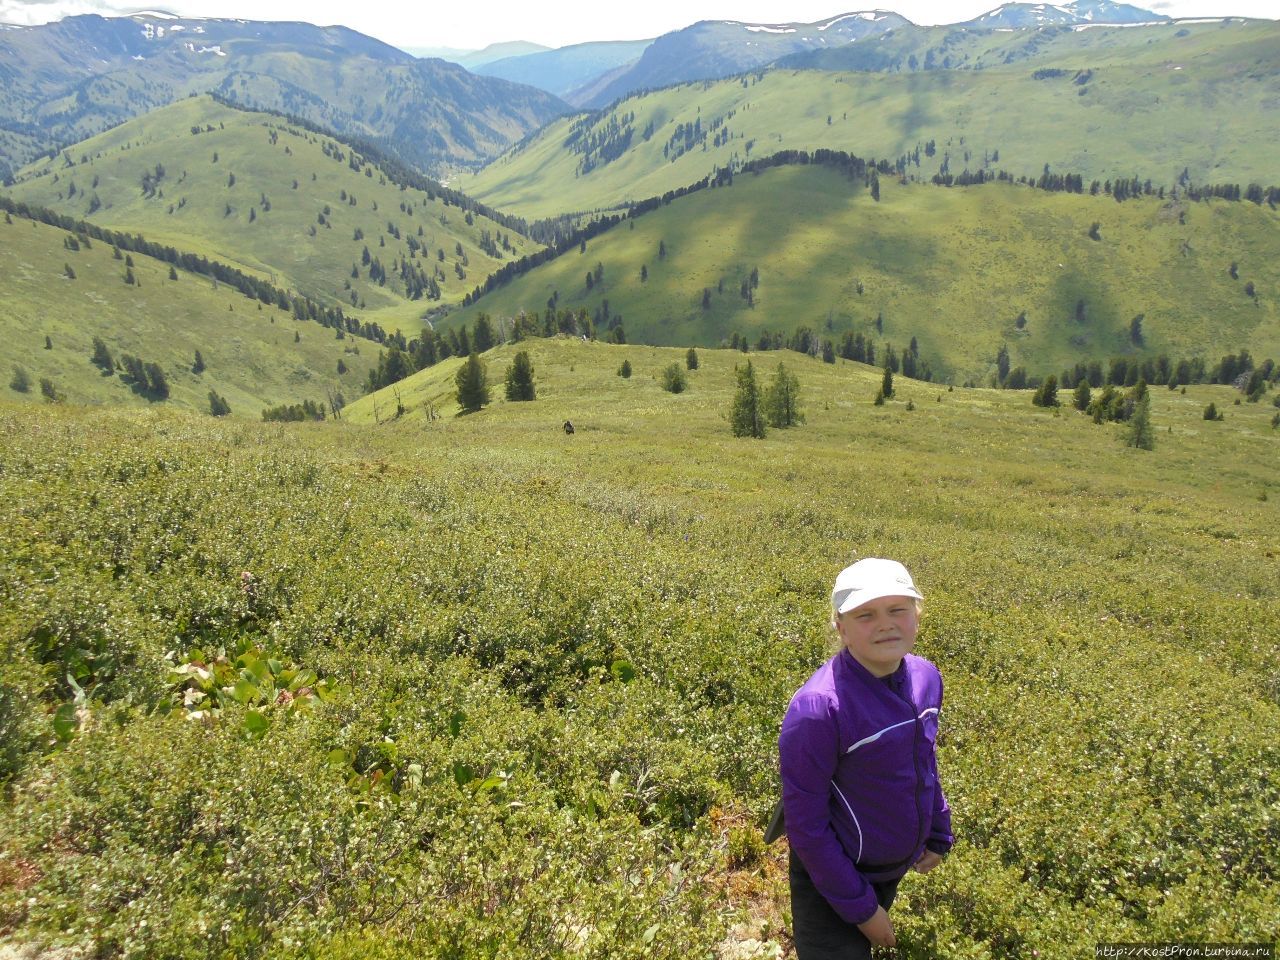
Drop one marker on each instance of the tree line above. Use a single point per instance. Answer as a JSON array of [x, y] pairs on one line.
[[405, 357]]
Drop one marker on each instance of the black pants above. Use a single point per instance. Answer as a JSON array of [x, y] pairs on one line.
[[820, 933]]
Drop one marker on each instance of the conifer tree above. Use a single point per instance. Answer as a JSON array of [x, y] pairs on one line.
[[482, 334], [674, 379], [198, 365], [624, 371], [1081, 397], [691, 359], [886, 383], [473, 384], [1141, 435], [520, 377], [746, 417], [102, 356], [156, 382], [782, 399], [1046, 394]]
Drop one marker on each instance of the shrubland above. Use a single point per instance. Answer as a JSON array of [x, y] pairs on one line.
[[502, 691]]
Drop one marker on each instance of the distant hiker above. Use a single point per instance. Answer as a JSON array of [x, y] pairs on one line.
[[860, 793], [568, 426]]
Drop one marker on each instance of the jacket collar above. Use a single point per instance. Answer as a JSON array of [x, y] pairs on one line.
[[896, 685]]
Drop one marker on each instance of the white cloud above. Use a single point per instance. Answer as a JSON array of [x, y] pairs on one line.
[[31, 12]]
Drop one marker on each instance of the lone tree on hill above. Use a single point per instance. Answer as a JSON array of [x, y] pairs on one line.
[[624, 371], [1140, 433], [746, 417], [691, 359], [886, 383], [520, 377], [473, 384], [674, 379], [782, 399]]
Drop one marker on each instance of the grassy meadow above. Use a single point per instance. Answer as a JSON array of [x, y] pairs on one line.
[[953, 267], [255, 355], [1155, 101], [443, 686], [258, 193]]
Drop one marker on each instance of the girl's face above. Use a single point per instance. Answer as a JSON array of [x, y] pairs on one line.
[[880, 632]]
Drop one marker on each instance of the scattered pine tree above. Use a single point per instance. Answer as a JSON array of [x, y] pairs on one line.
[[472, 382], [782, 399], [520, 378], [102, 356], [746, 416], [674, 379], [1141, 434]]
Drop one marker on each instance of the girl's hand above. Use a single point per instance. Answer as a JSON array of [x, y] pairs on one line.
[[879, 929], [928, 860]]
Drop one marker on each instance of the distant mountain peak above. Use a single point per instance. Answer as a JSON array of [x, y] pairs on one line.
[[1051, 14]]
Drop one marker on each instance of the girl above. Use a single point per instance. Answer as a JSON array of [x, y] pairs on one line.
[[860, 791]]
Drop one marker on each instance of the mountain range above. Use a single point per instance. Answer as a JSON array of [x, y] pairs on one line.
[[68, 80], [713, 49], [318, 167]]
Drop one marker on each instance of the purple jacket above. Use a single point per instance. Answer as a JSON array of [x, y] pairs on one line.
[[860, 788]]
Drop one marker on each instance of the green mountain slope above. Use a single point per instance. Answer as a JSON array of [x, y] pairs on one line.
[[1104, 103], [253, 190], [952, 267], [255, 355]]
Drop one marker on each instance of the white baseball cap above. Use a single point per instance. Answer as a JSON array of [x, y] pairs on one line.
[[871, 579]]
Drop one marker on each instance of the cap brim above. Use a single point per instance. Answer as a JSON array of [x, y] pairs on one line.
[[856, 598]]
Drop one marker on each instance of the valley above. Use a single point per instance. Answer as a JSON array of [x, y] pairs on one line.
[[402, 551]]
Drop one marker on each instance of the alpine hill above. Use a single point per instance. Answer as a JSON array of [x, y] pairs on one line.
[[300, 208], [1055, 277], [1157, 102]]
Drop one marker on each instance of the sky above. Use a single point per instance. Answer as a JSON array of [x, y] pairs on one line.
[[471, 26]]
